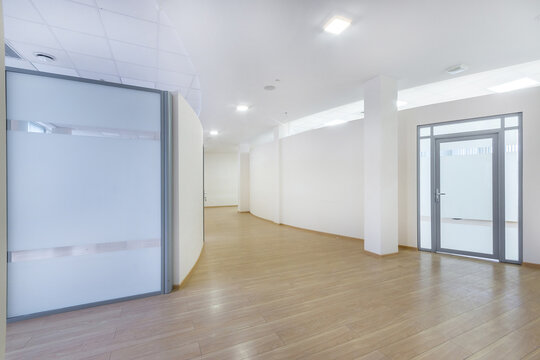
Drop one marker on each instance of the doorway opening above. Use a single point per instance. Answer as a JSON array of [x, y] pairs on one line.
[[470, 187]]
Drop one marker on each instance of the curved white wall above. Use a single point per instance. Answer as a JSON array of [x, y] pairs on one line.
[[263, 191], [321, 176], [322, 180], [188, 188]]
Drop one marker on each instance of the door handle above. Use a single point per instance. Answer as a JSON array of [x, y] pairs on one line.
[[438, 195]]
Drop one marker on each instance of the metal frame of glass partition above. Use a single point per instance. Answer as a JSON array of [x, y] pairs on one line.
[[166, 145], [427, 131]]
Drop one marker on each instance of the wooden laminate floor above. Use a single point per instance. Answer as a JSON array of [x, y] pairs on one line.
[[263, 291]]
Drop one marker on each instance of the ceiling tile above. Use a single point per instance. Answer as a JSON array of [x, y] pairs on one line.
[[137, 72], [27, 51], [56, 70], [140, 83], [98, 76], [130, 30], [71, 16], [169, 87], [82, 43], [21, 9], [92, 63], [86, 2], [134, 54], [142, 9], [194, 93], [168, 77], [196, 84], [175, 62], [19, 64], [170, 41], [29, 32], [164, 19]]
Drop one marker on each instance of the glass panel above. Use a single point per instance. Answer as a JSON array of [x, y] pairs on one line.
[[511, 121], [425, 193], [84, 191], [425, 131], [466, 178], [467, 126], [511, 190]]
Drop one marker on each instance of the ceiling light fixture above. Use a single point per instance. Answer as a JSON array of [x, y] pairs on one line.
[[514, 85], [456, 69], [337, 24], [44, 57], [269, 88], [401, 103], [214, 133], [242, 108], [335, 122]]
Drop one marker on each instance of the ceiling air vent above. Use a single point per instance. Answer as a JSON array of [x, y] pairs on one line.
[[11, 53]]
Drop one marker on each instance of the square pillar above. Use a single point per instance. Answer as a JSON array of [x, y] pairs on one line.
[[380, 166], [243, 178]]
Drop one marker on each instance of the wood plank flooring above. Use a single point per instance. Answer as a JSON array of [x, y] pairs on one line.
[[263, 291]]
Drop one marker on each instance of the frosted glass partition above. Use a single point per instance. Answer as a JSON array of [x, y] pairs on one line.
[[425, 193], [467, 126], [84, 193], [511, 198]]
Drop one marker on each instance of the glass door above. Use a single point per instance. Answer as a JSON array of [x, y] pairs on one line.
[[465, 195]]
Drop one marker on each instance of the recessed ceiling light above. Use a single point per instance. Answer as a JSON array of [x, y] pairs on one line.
[[44, 57], [214, 133], [401, 103], [335, 122], [514, 85], [269, 87], [242, 108], [337, 24], [456, 69]]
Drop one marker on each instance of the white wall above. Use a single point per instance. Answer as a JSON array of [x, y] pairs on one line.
[[3, 203], [309, 170], [263, 201], [188, 188], [221, 171], [526, 101], [322, 180]]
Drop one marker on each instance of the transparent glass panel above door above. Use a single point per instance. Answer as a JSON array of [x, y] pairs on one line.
[[425, 193], [466, 199], [511, 194], [467, 126]]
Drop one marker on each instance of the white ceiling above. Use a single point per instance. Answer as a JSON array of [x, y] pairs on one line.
[[121, 41], [239, 46], [457, 88]]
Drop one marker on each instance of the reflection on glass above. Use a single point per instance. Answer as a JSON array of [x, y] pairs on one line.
[[425, 193], [466, 178], [467, 126], [511, 188]]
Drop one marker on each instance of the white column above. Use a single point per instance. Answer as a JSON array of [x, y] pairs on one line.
[[243, 178], [380, 166], [277, 174]]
